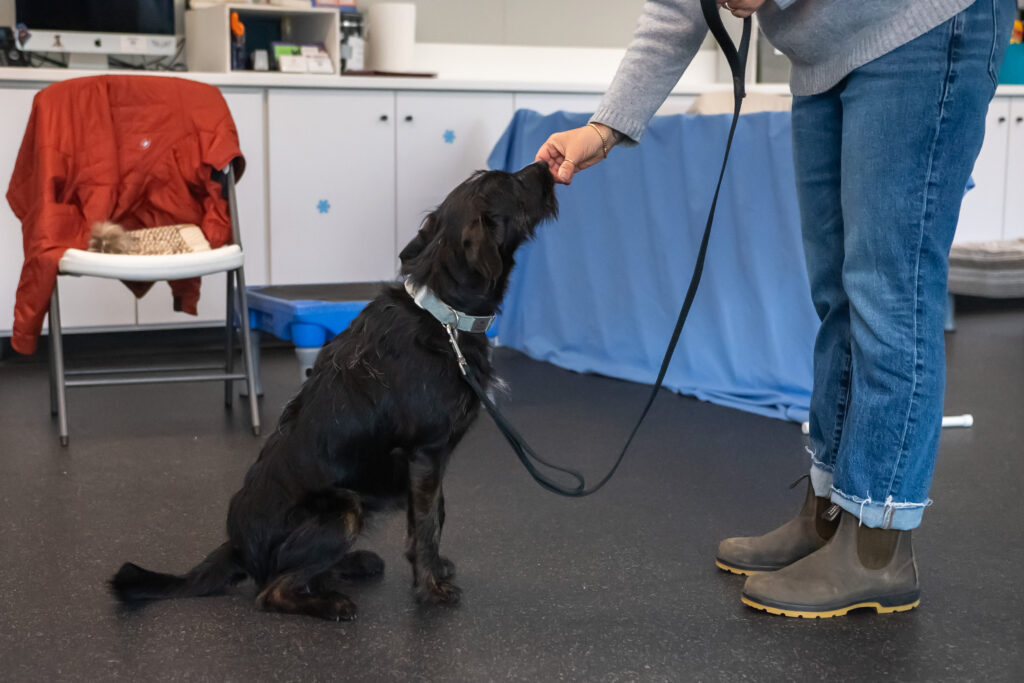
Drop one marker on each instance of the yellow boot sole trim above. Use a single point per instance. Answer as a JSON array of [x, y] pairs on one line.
[[734, 570], [879, 608]]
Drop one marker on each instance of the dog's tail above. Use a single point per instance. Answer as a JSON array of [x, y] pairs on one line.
[[211, 576]]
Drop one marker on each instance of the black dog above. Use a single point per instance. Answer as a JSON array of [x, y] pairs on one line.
[[375, 424]]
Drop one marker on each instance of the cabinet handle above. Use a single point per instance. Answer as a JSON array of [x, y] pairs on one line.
[[408, 117], [1019, 119], [383, 117], [1002, 119]]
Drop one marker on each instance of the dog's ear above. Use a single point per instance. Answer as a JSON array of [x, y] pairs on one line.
[[481, 250], [418, 243]]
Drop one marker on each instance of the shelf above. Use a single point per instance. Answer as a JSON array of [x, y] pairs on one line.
[[208, 34]]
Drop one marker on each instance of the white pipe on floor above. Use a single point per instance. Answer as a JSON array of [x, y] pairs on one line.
[[947, 421]]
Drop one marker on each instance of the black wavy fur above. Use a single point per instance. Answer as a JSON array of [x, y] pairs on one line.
[[374, 425]]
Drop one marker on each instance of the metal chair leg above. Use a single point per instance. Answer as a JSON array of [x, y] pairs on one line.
[[243, 316], [254, 341], [58, 362], [51, 355], [229, 345]]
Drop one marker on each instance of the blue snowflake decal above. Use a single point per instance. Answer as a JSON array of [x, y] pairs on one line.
[[323, 206], [449, 136]]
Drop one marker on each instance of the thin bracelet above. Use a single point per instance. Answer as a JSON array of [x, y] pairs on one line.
[[604, 140]]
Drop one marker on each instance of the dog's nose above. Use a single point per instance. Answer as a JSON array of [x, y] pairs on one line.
[[536, 173], [534, 168]]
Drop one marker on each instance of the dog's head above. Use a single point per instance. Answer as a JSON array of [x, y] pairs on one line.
[[465, 249]]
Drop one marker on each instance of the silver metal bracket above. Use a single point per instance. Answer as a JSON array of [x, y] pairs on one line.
[[463, 364]]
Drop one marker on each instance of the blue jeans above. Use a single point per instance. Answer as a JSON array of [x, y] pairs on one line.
[[881, 161]]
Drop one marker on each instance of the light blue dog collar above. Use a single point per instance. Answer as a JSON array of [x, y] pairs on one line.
[[428, 301]]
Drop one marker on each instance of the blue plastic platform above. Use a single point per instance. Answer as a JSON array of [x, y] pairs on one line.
[[309, 316]]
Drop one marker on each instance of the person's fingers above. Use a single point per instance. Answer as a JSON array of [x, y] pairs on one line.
[[566, 171], [570, 151], [550, 154]]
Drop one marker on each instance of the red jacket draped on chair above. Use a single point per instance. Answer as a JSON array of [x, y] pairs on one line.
[[138, 150]]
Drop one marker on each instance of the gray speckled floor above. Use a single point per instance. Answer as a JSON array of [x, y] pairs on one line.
[[617, 587]]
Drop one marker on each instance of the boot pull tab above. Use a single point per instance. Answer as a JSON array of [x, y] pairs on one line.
[[831, 512], [794, 484]]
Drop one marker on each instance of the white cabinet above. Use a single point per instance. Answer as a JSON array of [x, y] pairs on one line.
[[548, 103], [13, 117], [247, 109], [85, 302], [441, 138], [981, 214], [352, 174], [332, 185], [1013, 215]]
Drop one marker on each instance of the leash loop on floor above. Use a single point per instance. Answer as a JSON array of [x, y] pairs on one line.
[[737, 58]]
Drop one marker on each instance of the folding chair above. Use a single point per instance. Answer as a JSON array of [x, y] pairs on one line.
[[228, 258]]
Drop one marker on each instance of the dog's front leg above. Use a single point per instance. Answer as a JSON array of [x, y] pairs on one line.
[[431, 572]]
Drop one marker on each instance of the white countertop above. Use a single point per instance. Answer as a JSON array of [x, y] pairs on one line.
[[28, 76], [495, 68], [459, 67]]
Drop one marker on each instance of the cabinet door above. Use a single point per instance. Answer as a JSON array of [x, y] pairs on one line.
[[548, 103], [13, 118], [247, 111], [442, 138], [85, 302], [1013, 217], [981, 214], [332, 185]]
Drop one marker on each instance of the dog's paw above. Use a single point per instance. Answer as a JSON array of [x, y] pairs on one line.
[[439, 592], [360, 565], [319, 601], [337, 607], [445, 568]]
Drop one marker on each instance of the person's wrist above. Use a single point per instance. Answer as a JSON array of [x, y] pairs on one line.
[[607, 134]]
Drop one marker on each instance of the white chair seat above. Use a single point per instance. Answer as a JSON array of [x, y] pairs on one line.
[[151, 268]]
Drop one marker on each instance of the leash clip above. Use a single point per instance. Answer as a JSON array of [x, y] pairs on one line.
[[463, 364]]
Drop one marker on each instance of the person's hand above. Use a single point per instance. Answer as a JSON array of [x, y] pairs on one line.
[[573, 150], [741, 8]]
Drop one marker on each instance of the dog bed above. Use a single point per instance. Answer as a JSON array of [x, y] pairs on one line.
[[987, 269]]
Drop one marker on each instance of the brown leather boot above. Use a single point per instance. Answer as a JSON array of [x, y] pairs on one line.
[[792, 541], [860, 567]]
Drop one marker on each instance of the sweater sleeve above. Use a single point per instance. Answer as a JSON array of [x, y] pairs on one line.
[[667, 37]]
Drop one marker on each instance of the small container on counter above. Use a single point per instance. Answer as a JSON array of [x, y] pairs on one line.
[[353, 45]]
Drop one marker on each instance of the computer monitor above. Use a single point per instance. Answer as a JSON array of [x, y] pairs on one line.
[[90, 30]]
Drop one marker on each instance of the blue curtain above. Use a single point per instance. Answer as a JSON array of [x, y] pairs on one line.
[[599, 290]]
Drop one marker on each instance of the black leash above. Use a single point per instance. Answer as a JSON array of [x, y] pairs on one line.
[[737, 59]]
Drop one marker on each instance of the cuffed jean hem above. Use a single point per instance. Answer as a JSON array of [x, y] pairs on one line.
[[881, 514], [821, 480]]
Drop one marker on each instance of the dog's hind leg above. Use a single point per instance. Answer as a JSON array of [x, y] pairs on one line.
[[431, 573], [303, 583]]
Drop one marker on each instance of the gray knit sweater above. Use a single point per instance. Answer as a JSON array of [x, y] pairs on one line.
[[825, 40]]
